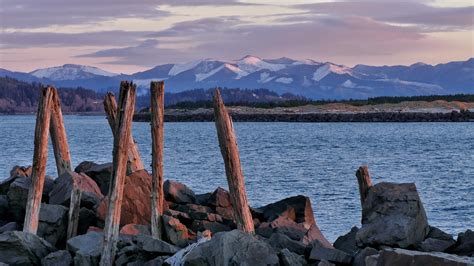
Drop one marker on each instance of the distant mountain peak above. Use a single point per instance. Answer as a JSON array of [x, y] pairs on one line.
[[70, 72]]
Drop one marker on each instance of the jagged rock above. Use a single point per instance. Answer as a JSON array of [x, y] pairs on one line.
[[63, 185], [100, 173], [135, 229], [288, 258], [11, 226], [437, 240], [181, 216], [16, 172], [219, 198], [320, 252], [325, 263], [372, 260], [232, 248], [175, 232], [226, 213], [405, 257], [178, 192], [297, 208], [136, 204], [158, 261], [197, 212], [58, 258], [86, 248], [347, 242], [465, 244], [52, 223], [155, 246], [214, 227], [3, 206], [359, 258], [392, 215], [20, 248], [87, 218], [202, 199], [280, 241]]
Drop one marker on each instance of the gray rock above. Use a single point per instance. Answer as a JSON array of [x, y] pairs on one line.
[[288, 258], [297, 208], [320, 252], [58, 258], [175, 232], [372, 260], [135, 229], [437, 240], [11, 226], [232, 248], [214, 227], [20, 248], [360, 257], [178, 193], [280, 241], [155, 246], [3, 206], [86, 248], [87, 218], [325, 263], [465, 244], [158, 261], [100, 173], [52, 223], [405, 257], [392, 215], [347, 242], [16, 172]]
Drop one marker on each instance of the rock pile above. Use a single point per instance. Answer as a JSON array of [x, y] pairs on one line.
[[394, 227]]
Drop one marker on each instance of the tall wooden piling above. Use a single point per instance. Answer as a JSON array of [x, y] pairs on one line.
[[365, 182], [233, 169], [120, 149], [58, 136], [134, 160], [40, 155], [74, 208], [157, 136]]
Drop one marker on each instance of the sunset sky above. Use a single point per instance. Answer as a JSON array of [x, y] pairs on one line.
[[129, 36]]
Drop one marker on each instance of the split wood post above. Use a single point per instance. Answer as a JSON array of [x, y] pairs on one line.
[[365, 182], [74, 208], [40, 155], [233, 169], [157, 136], [119, 171], [58, 136], [134, 159]]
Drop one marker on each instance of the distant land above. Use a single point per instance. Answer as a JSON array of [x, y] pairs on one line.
[[308, 78]]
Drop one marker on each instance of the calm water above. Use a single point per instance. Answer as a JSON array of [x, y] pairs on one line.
[[284, 159]]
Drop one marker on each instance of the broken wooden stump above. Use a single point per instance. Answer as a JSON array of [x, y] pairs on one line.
[[40, 155], [58, 136], [233, 169], [134, 160], [157, 136], [74, 208], [365, 182], [119, 171]]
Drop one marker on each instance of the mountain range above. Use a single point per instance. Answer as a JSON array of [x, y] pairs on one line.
[[309, 78]]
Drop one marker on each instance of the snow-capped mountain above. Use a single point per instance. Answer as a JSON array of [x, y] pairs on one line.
[[308, 78]]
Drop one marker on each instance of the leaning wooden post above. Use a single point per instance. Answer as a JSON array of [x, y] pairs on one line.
[[134, 159], [40, 155], [365, 182], [157, 137], [58, 136], [119, 171], [233, 169], [74, 209]]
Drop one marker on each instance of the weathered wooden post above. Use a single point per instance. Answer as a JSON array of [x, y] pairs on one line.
[[74, 208], [365, 182], [119, 171], [157, 104], [233, 169], [58, 136], [134, 159], [40, 155]]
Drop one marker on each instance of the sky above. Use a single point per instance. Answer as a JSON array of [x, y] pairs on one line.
[[129, 36]]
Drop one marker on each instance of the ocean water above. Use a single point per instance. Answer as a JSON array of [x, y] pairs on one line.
[[318, 160]]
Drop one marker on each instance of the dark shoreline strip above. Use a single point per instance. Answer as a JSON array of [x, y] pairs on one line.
[[454, 116]]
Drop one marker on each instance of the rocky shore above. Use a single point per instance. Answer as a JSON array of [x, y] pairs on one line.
[[199, 229]]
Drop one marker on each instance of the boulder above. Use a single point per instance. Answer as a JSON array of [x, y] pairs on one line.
[[232, 248], [465, 244], [100, 173], [16, 172], [52, 225], [288, 258], [320, 252], [3, 206], [297, 208], [325, 263], [11, 226], [405, 257], [58, 258], [136, 203], [392, 215], [86, 248], [63, 185], [359, 258], [347, 242], [202, 199], [87, 218], [280, 241], [175, 232], [214, 227], [135, 229], [20, 248], [437, 240], [154, 246], [158, 261], [178, 193], [219, 198]]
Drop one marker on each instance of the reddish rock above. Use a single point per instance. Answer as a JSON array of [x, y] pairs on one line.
[[100, 173], [219, 198], [175, 232], [94, 229], [16, 172], [135, 229], [296, 208], [178, 192]]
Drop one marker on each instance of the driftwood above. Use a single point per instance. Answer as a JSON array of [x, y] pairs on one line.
[[134, 160], [40, 155], [233, 169], [119, 171], [365, 182], [157, 136], [58, 136], [74, 208]]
